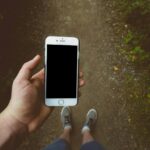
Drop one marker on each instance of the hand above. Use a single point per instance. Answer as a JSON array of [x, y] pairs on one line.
[[27, 99]]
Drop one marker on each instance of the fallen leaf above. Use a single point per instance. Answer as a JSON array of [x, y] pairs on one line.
[[115, 68]]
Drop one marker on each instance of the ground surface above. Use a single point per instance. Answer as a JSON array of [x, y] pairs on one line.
[[25, 25]]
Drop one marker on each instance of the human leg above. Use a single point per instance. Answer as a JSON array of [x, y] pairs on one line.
[[88, 142], [63, 142]]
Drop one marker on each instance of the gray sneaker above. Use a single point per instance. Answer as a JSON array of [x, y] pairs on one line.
[[66, 117], [91, 118]]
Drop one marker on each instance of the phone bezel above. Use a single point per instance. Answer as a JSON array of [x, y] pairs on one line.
[[61, 40]]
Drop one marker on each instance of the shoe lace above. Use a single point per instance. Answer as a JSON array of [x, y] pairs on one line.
[[90, 122], [67, 120]]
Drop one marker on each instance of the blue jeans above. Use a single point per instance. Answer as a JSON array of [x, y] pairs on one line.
[[61, 144]]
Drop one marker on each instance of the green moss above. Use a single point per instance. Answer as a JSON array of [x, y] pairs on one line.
[[136, 50], [128, 38], [136, 15], [129, 5]]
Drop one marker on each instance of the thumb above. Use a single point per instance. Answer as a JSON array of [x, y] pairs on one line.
[[25, 72]]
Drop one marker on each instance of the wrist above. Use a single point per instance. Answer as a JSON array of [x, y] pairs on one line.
[[12, 128], [15, 126]]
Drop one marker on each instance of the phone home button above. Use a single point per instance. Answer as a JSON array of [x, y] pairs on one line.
[[61, 102]]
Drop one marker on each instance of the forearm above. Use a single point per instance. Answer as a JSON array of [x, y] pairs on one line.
[[12, 132]]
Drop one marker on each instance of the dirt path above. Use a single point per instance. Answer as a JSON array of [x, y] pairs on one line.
[[104, 90]]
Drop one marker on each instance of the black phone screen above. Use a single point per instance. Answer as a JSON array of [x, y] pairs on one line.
[[61, 71]]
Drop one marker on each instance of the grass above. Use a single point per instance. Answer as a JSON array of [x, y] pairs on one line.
[[136, 50], [137, 17], [129, 5]]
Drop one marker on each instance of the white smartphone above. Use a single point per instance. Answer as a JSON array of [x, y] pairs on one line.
[[61, 71]]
